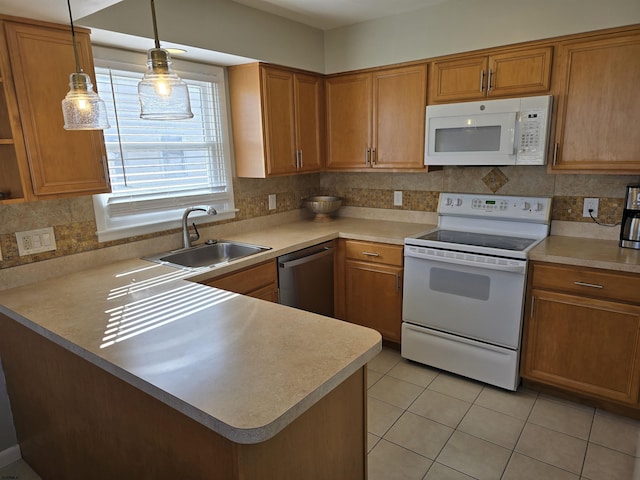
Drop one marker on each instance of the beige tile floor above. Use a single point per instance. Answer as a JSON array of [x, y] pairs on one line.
[[426, 424]]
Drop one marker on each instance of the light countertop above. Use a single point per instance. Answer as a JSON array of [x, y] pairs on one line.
[[587, 252], [244, 367]]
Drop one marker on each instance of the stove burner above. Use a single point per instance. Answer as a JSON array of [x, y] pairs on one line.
[[502, 242]]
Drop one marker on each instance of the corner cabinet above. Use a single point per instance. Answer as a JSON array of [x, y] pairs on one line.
[[39, 158], [598, 105], [369, 287], [500, 74], [375, 120], [582, 333], [277, 120]]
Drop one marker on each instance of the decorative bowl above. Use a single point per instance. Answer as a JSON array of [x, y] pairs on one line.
[[323, 206]]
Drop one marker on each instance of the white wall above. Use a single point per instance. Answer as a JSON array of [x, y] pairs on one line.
[[218, 25], [463, 25]]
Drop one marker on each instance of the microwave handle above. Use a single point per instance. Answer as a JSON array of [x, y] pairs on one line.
[[482, 80]]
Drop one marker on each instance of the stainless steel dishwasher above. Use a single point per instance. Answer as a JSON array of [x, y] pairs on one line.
[[305, 279]]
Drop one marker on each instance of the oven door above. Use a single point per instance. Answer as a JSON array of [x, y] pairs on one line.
[[469, 295]]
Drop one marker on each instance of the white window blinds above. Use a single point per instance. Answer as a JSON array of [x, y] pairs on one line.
[[160, 166]]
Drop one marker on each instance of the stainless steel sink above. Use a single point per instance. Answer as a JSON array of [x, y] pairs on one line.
[[209, 254]]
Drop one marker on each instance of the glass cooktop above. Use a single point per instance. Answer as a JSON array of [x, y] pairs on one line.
[[502, 242]]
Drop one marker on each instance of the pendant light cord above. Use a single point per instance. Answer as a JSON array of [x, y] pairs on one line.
[[73, 37], [155, 24]]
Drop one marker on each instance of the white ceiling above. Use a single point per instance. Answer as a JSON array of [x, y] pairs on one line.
[[322, 14], [328, 14]]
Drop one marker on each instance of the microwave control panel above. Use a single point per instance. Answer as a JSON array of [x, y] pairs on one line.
[[533, 130]]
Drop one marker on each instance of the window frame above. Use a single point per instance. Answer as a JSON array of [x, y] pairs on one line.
[[118, 227]]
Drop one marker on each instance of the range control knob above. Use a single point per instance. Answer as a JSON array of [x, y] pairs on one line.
[[524, 205], [539, 207], [448, 201], [458, 202]]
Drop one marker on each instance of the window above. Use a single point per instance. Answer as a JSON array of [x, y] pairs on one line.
[[158, 168]]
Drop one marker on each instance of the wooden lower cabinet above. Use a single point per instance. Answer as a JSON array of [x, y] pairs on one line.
[[580, 342], [260, 281], [370, 290], [75, 420]]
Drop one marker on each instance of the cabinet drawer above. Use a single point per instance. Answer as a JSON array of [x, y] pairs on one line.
[[247, 280], [590, 282], [374, 252]]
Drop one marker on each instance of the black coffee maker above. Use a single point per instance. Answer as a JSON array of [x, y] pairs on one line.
[[630, 230]]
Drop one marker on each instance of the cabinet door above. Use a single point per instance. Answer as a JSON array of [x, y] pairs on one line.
[[309, 107], [278, 111], [61, 162], [374, 297], [519, 73], [260, 281], [598, 105], [585, 345], [400, 99], [348, 101], [458, 79]]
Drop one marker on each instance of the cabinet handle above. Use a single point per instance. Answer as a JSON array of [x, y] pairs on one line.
[[489, 81], [370, 254], [300, 161], [397, 283], [367, 154], [555, 154], [533, 302], [297, 159], [482, 80], [373, 157], [590, 285]]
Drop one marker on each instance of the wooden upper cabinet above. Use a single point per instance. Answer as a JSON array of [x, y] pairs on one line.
[[279, 124], [501, 74], [309, 96], [597, 105], [348, 110], [376, 119], [399, 102], [277, 120], [61, 163]]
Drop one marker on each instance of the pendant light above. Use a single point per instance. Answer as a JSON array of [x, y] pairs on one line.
[[162, 94], [82, 108]]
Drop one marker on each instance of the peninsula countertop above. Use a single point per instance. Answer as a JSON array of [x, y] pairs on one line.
[[245, 368]]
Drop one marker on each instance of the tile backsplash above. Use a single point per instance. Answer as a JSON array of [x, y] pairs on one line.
[[74, 222]]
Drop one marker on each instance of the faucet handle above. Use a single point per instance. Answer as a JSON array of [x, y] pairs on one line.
[[194, 236]]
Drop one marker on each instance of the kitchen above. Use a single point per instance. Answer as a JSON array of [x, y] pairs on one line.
[[363, 190]]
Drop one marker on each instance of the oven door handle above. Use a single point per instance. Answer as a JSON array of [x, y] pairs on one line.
[[517, 267]]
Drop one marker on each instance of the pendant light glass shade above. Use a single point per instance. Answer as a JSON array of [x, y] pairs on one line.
[[82, 108], [162, 94]]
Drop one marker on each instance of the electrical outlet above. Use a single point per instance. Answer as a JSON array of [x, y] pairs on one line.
[[397, 198], [36, 241], [272, 201], [590, 204]]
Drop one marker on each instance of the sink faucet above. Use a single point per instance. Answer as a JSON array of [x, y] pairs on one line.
[[188, 237]]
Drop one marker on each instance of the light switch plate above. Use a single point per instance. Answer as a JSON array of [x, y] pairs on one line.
[[272, 201], [397, 198], [36, 241]]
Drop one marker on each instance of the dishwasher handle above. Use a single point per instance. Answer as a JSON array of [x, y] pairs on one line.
[[307, 259]]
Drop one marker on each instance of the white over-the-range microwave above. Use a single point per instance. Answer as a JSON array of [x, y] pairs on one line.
[[512, 131]]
